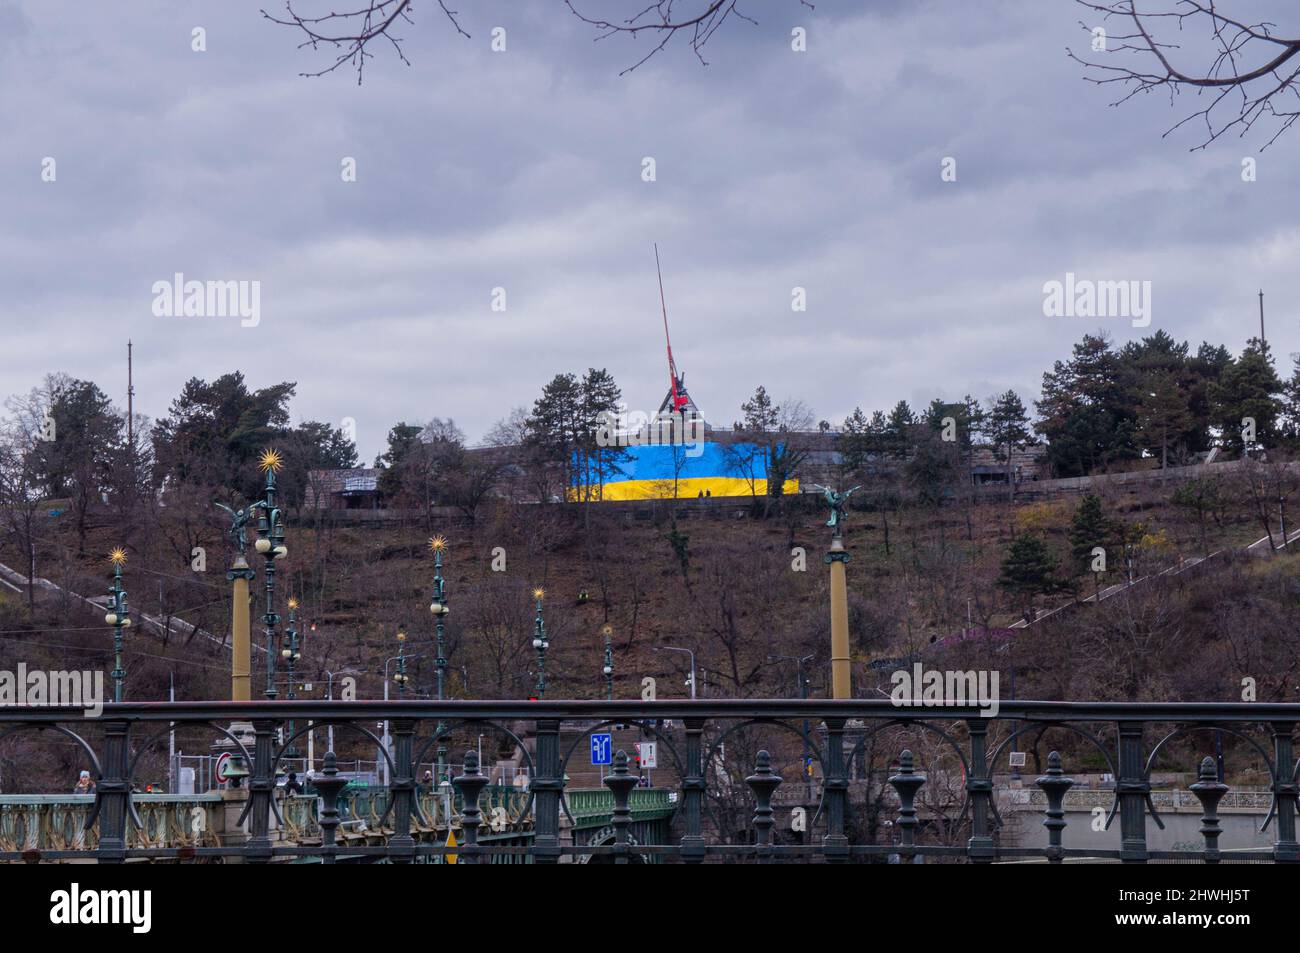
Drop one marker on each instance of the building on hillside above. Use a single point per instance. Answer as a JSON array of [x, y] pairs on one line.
[[354, 489], [1027, 466]]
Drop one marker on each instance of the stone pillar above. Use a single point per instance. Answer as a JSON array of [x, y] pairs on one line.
[[840, 679], [240, 660]]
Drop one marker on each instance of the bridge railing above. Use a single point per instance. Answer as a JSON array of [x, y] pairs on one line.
[[40, 824], [700, 752], [365, 811]]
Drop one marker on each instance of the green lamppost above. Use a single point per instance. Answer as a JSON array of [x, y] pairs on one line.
[[401, 678], [540, 643], [608, 669], [438, 606], [270, 543], [119, 617], [290, 653]]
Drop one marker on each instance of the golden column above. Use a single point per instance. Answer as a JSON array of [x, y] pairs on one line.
[[837, 556], [241, 666]]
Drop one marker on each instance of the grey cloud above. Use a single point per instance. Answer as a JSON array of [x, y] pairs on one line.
[[521, 170]]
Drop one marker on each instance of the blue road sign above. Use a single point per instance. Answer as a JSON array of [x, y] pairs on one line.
[[602, 749]]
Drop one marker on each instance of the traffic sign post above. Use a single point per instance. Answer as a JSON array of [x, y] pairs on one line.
[[219, 768], [647, 751], [602, 748]]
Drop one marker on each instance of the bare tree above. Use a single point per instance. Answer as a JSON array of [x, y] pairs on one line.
[[21, 498], [350, 33], [22, 489], [1243, 67], [664, 20]]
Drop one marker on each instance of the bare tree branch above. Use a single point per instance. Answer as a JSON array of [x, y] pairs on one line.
[[1250, 68], [351, 32]]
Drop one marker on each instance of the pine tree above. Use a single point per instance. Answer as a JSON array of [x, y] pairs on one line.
[[1162, 416], [1248, 392], [1086, 411], [899, 433], [1008, 431], [1028, 570], [854, 442], [1203, 496], [1089, 528], [555, 426], [599, 396]]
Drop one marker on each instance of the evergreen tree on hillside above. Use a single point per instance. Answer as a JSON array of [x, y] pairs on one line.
[[1160, 357], [1205, 369], [1291, 406], [899, 437], [403, 438], [1204, 496], [554, 426], [1163, 416], [214, 432], [1247, 391], [1007, 428], [854, 442], [1028, 571], [90, 440], [1089, 528], [599, 396], [933, 467], [1085, 410], [563, 426], [777, 436]]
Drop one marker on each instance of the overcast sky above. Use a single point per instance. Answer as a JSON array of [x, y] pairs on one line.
[[522, 170]]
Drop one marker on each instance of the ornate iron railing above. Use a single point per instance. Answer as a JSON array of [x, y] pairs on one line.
[[693, 738]]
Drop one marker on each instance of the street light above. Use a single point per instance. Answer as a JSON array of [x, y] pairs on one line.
[[438, 606], [608, 670], [119, 617], [540, 643], [674, 648], [270, 543], [291, 654], [400, 678]]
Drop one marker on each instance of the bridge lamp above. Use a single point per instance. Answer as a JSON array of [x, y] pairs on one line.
[[119, 617], [401, 678], [608, 670], [540, 643]]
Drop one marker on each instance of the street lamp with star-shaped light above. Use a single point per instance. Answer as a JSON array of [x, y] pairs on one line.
[[270, 543], [119, 617]]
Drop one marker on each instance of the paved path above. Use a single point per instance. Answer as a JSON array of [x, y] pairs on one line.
[[17, 582], [1262, 545]]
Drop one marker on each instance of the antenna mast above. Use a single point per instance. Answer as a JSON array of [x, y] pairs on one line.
[[679, 400], [130, 400]]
